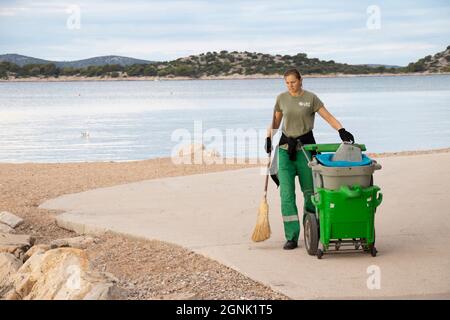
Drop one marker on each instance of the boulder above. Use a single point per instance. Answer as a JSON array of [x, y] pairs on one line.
[[211, 156], [5, 228], [65, 274], [26, 277], [190, 149], [16, 244], [39, 248], [80, 242], [211, 153], [9, 265], [10, 219]]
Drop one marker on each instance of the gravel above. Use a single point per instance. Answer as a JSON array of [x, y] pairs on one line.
[[146, 269]]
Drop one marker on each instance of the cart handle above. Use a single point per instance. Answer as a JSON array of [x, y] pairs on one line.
[[379, 199], [329, 147], [355, 192], [316, 200], [376, 165]]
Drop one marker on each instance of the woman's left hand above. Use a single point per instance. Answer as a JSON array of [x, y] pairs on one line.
[[346, 136]]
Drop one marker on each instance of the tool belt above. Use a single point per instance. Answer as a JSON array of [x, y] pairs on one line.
[[293, 142]]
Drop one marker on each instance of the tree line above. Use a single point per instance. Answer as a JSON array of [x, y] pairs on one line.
[[206, 64]]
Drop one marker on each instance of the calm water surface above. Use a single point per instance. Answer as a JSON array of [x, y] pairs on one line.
[[130, 120]]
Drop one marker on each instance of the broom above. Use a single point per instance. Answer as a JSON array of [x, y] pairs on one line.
[[262, 228]]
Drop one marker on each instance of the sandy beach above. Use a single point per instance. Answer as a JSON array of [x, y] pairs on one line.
[[148, 269]]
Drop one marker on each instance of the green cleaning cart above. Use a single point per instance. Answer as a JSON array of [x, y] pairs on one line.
[[345, 199]]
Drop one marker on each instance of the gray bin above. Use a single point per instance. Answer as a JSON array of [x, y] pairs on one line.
[[335, 177]]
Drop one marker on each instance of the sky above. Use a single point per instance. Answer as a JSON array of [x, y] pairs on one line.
[[349, 31]]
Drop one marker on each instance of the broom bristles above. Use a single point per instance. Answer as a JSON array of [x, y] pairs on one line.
[[262, 228]]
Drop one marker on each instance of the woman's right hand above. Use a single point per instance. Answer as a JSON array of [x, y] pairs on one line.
[[268, 145]]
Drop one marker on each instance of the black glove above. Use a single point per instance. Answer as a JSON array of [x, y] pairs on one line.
[[346, 136], [268, 145]]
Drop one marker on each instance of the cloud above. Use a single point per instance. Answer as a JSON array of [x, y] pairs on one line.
[[11, 11], [162, 30]]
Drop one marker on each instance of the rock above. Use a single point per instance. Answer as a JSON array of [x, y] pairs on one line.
[[211, 156], [12, 295], [212, 153], [40, 248], [106, 291], [9, 265], [10, 219], [26, 277], [62, 274], [16, 244], [190, 149], [80, 242], [5, 228]]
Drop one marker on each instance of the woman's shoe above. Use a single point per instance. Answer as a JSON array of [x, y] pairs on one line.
[[290, 244]]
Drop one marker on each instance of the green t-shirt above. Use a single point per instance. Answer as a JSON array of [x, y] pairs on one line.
[[298, 112]]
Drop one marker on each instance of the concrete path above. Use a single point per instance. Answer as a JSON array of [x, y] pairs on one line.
[[214, 214]]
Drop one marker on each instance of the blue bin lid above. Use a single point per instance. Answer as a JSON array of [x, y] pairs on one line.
[[326, 160]]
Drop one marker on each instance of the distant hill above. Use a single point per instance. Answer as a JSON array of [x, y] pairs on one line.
[[440, 62], [96, 61], [221, 63], [21, 60], [101, 61], [204, 65], [226, 63]]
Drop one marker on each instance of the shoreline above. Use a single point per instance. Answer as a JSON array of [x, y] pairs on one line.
[[230, 77], [237, 162]]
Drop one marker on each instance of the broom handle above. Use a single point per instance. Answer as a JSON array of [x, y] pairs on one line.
[[271, 147], [267, 178]]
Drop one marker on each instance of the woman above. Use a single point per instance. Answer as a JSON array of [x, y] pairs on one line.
[[297, 107]]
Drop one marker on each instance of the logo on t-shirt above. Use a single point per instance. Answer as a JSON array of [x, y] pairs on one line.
[[304, 104]]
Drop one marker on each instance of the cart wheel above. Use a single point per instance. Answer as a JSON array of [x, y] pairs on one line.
[[368, 248], [373, 251], [319, 254], [311, 234], [356, 244], [337, 246]]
